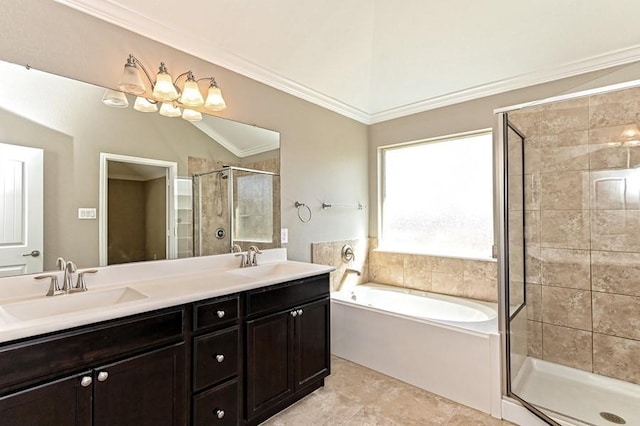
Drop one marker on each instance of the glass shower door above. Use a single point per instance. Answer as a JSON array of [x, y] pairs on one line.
[[516, 236]]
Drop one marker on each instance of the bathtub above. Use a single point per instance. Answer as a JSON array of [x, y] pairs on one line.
[[443, 344]]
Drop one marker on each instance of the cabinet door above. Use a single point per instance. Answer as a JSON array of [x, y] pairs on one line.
[[147, 390], [64, 402], [269, 360], [312, 351]]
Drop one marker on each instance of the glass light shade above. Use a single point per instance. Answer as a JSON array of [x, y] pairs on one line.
[[131, 81], [191, 95], [169, 110], [143, 105], [115, 99], [191, 115], [215, 102], [164, 89]]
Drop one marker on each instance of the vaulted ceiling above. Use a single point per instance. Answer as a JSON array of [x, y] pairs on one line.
[[373, 60]]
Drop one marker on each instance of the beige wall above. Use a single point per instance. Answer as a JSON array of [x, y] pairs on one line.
[[474, 115], [323, 154]]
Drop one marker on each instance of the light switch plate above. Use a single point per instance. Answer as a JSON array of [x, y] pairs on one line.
[[284, 235], [86, 213]]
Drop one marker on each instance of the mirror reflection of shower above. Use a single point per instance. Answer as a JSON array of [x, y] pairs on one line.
[[235, 206]]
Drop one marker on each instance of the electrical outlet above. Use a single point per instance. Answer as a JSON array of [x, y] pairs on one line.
[[284, 236]]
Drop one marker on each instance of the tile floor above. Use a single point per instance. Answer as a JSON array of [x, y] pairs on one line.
[[357, 396]]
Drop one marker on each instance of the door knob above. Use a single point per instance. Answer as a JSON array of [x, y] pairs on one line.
[[220, 358], [102, 376], [220, 314], [219, 413], [86, 381], [34, 253]]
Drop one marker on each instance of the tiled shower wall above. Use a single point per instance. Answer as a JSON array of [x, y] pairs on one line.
[[215, 211], [582, 232], [475, 279]]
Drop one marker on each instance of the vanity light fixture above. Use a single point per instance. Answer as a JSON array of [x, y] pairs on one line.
[[165, 91]]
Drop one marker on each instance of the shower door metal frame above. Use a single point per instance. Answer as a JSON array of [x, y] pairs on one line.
[[504, 315]]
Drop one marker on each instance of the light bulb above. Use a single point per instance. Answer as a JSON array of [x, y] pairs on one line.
[[191, 115], [131, 80], [164, 89], [215, 101], [115, 99], [169, 110], [143, 105], [191, 95]]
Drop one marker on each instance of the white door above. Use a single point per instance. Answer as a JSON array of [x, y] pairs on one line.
[[21, 210]]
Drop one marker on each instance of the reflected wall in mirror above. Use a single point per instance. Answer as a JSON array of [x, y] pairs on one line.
[[68, 122]]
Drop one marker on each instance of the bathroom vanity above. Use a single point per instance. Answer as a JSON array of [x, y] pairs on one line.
[[217, 346]]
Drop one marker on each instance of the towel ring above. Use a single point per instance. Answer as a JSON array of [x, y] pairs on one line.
[[301, 216]]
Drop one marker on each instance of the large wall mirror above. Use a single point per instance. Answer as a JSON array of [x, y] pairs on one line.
[[118, 184]]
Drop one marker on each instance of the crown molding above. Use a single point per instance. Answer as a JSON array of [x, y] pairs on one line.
[[571, 69], [115, 14]]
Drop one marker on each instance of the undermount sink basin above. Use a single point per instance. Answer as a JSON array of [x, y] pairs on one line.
[[58, 305], [270, 270]]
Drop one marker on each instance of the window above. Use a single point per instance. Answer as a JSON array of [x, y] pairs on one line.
[[437, 196]]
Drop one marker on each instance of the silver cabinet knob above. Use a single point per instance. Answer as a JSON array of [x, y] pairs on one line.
[[102, 376], [219, 357], [294, 313], [86, 381], [300, 311], [220, 314], [219, 413]]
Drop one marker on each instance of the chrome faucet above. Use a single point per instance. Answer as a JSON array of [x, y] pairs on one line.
[[252, 255], [236, 248]]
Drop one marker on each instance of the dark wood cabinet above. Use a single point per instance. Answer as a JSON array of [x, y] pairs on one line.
[[122, 372], [236, 359], [287, 351], [64, 402], [146, 390]]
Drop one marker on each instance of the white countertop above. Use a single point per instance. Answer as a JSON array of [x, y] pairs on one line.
[[164, 283]]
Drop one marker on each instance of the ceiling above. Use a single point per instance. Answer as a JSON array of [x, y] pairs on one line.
[[374, 60]]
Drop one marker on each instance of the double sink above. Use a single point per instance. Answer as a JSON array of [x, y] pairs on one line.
[[42, 307]]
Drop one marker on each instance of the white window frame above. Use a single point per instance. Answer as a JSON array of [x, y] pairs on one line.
[[381, 195]]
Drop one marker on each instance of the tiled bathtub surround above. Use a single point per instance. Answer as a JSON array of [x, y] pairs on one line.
[[581, 206], [330, 253], [474, 279]]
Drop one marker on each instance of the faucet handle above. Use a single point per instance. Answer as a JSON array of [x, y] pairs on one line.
[[54, 287], [80, 284]]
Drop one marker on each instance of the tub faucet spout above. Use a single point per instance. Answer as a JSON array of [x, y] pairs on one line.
[[355, 271]]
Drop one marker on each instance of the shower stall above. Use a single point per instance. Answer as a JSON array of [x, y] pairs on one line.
[[235, 207], [569, 174]]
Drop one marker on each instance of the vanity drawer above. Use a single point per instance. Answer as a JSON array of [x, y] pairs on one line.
[[281, 296], [218, 406], [216, 312], [215, 357]]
